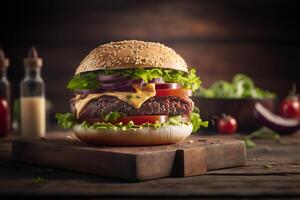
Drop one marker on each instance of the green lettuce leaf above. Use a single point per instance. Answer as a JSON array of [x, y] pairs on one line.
[[86, 81], [188, 80], [222, 89], [197, 121], [66, 121], [112, 116], [145, 74], [241, 86], [174, 120], [130, 125]]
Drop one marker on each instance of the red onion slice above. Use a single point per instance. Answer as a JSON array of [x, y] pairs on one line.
[[167, 86], [117, 82], [89, 91], [96, 91], [120, 84], [124, 86], [110, 77], [157, 80]]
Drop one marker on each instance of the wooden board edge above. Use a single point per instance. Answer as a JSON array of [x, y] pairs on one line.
[[228, 155], [125, 167], [190, 162]]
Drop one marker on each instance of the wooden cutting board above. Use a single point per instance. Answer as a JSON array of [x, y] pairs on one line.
[[192, 156]]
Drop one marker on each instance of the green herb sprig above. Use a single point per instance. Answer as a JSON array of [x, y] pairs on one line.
[[262, 133]]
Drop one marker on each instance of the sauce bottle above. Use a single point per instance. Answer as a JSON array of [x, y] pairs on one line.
[[32, 98], [4, 96]]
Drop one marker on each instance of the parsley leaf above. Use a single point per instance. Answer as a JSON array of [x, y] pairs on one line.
[[40, 180], [262, 133], [249, 143], [66, 120]]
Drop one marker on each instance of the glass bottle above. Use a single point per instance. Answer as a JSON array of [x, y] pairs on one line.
[[32, 98], [4, 96], [4, 83]]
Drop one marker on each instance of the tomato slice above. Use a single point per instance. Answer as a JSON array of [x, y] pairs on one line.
[[138, 120], [173, 92]]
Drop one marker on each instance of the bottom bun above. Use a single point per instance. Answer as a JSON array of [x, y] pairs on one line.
[[144, 136]]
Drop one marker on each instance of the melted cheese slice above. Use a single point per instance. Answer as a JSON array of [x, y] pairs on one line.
[[136, 99]]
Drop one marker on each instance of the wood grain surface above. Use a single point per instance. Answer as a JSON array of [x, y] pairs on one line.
[[190, 157], [272, 170]]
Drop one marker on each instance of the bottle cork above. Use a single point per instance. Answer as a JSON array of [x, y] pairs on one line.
[[4, 62], [33, 59]]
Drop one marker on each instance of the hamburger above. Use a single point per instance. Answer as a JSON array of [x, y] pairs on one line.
[[132, 93]]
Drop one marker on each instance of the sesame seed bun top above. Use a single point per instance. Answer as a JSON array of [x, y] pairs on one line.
[[129, 54]]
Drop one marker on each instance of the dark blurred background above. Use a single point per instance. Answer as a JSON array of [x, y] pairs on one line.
[[218, 37]]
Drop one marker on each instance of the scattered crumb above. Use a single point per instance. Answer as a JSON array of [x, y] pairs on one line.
[[69, 137], [40, 180], [254, 159], [268, 166], [211, 143], [176, 144], [218, 141], [202, 140], [191, 141]]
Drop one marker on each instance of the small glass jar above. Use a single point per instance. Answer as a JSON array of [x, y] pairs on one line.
[[5, 114], [32, 98], [32, 85], [4, 85]]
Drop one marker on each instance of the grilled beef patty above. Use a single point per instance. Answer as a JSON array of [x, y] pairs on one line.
[[168, 105]]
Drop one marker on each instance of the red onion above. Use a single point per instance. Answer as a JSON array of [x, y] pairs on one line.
[[167, 86], [157, 80], [124, 86], [121, 89], [110, 77], [117, 82], [95, 91]]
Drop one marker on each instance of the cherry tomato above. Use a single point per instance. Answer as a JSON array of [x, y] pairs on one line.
[[227, 125], [4, 118], [290, 107], [173, 92]]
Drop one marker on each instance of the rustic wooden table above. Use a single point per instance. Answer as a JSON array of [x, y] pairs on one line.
[[272, 169]]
